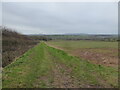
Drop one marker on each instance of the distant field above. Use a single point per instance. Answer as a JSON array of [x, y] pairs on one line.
[[82, 37], [99, 52], [83, 44], [47, 67]]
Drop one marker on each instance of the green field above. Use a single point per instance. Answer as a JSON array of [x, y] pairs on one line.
[[69, 44], [47, 67]]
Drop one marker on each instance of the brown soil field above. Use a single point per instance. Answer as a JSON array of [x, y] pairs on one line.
[[102, 56], [92, 55]]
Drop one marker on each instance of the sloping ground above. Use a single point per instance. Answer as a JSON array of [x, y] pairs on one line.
[[13, 45], [47, 67]]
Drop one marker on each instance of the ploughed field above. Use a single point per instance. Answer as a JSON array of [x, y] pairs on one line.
[[98, 52], [47, 66]]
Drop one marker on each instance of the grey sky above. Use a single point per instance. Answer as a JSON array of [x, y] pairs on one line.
[[0, 13], [58, 18]]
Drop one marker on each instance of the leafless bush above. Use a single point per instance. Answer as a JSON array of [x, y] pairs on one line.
[[13, 45]]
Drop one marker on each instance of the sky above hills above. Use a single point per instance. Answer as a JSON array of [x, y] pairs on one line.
[[61, 17]]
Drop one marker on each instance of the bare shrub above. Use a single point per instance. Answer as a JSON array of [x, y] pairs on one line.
[[14, 44]]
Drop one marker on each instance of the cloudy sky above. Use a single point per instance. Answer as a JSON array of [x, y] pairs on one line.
[[61, 17]]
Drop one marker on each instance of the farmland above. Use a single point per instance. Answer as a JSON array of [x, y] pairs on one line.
[[46, 67], [55, 44], [100, 52], [50, 61]]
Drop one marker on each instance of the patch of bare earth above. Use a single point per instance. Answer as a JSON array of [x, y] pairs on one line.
[[59, 76], [62, 76], [63, 79], [107, 58]]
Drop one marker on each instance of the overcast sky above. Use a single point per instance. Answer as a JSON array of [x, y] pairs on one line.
[[58, 18]]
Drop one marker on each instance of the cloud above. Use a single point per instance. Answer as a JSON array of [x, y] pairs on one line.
[[61, 17]]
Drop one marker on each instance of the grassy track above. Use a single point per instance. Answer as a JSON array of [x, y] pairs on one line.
[[47, 67]]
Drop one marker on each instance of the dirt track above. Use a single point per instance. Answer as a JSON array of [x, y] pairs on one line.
[[61, 74], [47, 67]]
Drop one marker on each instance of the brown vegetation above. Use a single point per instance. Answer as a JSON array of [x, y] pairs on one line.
[[14, 45]]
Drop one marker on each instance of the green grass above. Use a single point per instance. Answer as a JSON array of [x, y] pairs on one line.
[[34, 69], [83, 44], [25, 71]]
